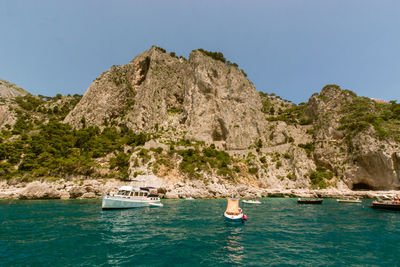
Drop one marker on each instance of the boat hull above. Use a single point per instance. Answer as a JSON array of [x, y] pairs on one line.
[[385, 206], [309, 201], [251, 202], [233, 218], [348, 201], [113, 202]]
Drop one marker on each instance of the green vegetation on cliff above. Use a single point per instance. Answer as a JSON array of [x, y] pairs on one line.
[[41, 145], [194, 160], [36, 148], [282, 110], [319, 177], [215, 55], [295, 114], [362, 112], [55, 107], [55, 149], [220, 57]]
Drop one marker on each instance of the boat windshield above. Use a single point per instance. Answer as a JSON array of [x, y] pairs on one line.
[[123, 193]]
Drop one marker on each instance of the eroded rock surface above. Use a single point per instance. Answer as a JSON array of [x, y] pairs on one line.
[[9, 90], [363, 160], [207, 99]]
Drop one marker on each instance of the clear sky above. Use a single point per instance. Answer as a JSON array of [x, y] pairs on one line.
[[288, 47]]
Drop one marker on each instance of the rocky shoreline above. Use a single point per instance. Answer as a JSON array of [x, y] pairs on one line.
[[95, 188]]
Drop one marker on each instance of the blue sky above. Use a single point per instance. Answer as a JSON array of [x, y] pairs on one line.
[[288, 47]]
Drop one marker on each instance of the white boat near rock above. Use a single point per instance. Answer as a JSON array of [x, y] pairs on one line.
[[349, 200], [132, 197], [252, 201]]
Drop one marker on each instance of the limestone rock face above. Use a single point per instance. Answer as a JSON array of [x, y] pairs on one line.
[[102, 101], [39, 190], [77, 191], [138, 94], [375, 166], [159, 91], [209, 100], [222, 105], [371, 164], [8, 90]]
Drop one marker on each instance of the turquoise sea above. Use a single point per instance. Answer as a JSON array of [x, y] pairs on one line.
[[191, 233]]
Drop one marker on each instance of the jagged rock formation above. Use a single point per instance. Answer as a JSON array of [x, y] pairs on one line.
[[200, 126], [221, 105], [207, 99], [8, 90], [362, 159]]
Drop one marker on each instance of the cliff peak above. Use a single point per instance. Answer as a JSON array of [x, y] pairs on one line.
[[203, 97], [8, 89]]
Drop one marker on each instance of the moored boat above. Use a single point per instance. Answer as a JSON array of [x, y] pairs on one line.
[[309, 200], [251, 201], [349, 200], [386, 205], [387, 197], [132, 197], [233, 213]]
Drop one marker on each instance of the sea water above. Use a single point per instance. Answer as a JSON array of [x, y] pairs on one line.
[[192, 233]]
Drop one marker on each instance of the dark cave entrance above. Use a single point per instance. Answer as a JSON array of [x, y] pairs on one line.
[[362, 186]]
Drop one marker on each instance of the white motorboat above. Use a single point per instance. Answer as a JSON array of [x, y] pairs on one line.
[[349, 200], [387, 197], [252, 201], [132, 197], [189, 198], [233, 213]]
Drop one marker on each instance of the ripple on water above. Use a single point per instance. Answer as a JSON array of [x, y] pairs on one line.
[[278, 232]]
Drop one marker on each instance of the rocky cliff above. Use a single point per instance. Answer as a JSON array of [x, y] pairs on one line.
[[199, 124], [8, 89], [205, 99], [350, 141]]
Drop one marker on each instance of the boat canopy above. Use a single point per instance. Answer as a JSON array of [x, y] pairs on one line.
[[233, 206]]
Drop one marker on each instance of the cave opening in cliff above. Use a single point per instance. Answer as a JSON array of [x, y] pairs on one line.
[[362, 186]]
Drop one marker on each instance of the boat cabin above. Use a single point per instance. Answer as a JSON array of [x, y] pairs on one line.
[[134, 192]]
